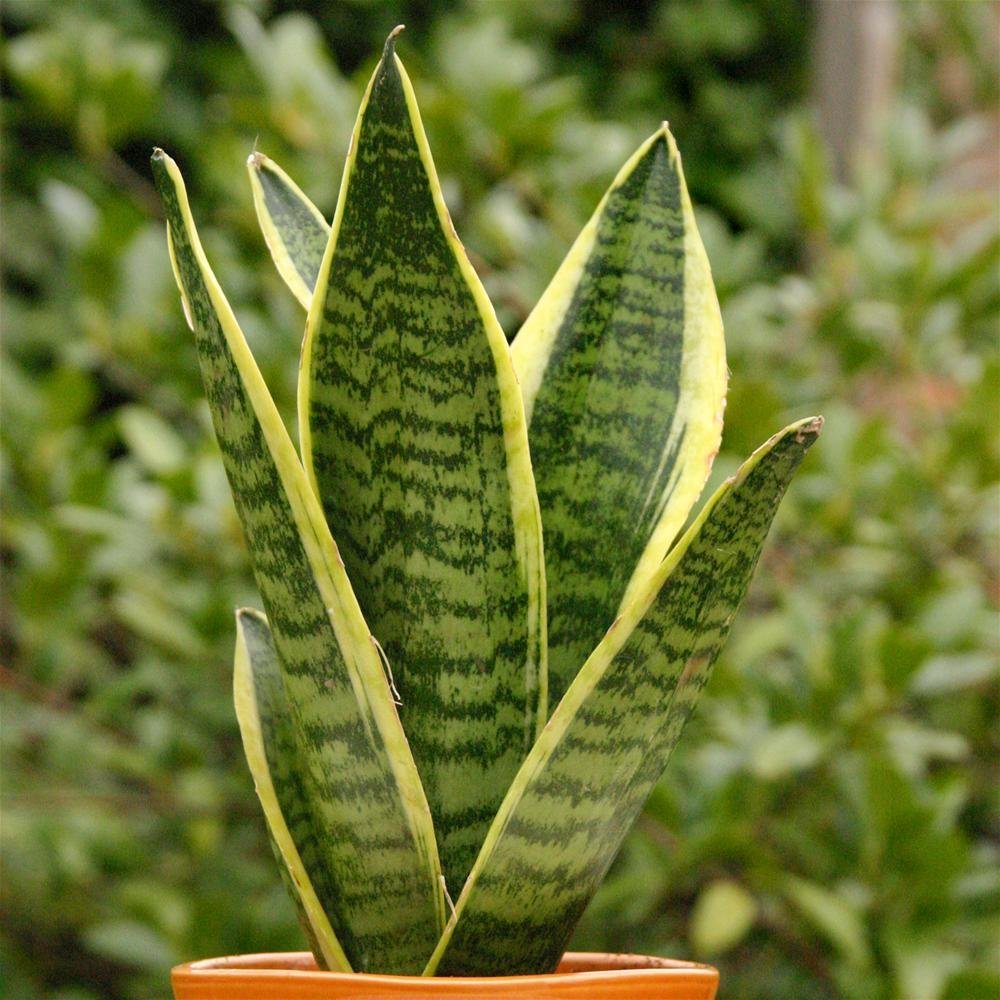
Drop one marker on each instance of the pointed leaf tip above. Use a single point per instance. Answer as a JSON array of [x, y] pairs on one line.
[[293, 227], [810, 428], [390, 42]]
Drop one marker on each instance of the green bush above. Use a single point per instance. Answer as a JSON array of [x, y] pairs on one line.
[[826, 828]]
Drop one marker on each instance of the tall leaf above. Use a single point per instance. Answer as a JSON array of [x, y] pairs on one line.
[[607, 742], [362, 783], [413, 426], [622, 366], [271, 745], [294, 228]]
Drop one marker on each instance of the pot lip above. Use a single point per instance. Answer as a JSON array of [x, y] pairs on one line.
[[575, 966]]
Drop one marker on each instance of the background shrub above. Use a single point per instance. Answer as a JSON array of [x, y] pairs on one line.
[[828, 827]]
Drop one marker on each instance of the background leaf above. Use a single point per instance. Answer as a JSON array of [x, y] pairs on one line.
[[832, 916], [123, 779], [721, 918]]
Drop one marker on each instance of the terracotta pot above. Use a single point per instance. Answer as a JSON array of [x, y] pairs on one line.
[[580, 976]]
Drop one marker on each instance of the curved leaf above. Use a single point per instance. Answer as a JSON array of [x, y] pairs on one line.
[[294, 228], [413, 425], [362, 782], [272, 751], [609, 739], [622, 365]]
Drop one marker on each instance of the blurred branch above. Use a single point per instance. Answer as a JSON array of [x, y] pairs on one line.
[[857, 68], [117, 172], [11, 681], [163, 801], [664, 838], [804, 948], [137, 387]]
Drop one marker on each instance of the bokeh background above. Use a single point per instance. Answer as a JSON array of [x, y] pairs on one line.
[[828, 827]]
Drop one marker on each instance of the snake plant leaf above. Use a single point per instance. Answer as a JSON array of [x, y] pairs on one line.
[[413, 427], [608, 740], [294, 228], [272, 751], [622, 366], [362, 782]]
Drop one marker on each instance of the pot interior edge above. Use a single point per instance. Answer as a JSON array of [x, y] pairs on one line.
[[572, 963]]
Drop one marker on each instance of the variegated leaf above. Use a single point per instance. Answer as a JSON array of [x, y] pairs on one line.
[[294, 228], [622, 366], [362, 783], [607, 742], [413, 427], [271, 746]]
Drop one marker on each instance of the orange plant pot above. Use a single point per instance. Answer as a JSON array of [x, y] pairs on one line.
[[580, 976]]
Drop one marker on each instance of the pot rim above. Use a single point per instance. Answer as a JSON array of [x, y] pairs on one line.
[[591, 967]]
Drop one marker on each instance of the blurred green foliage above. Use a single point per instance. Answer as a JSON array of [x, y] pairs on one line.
[[829, 826]]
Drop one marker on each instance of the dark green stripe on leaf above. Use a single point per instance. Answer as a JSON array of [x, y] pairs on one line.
[[415, 431], [270, 742], [379, 843], [294, 230], [608, 741], [622, 364]]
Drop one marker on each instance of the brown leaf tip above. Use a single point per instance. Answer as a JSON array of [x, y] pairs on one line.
[[809, 429], [390, 42]]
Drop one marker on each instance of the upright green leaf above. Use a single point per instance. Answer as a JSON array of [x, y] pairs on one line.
[[607, 742], [271, 745], [413, 425], [362, 783], [294, 228], [622, 366]]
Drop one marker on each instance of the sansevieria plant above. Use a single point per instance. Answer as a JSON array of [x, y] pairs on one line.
[[451, 728]]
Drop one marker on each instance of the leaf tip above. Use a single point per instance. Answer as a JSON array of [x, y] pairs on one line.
[[390, 42], [667, 136], [244, 615], [809, 428], [161, 158], [165, 170], [159, 161]]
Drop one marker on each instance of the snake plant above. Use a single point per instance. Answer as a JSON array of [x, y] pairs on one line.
[[450, 733]]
